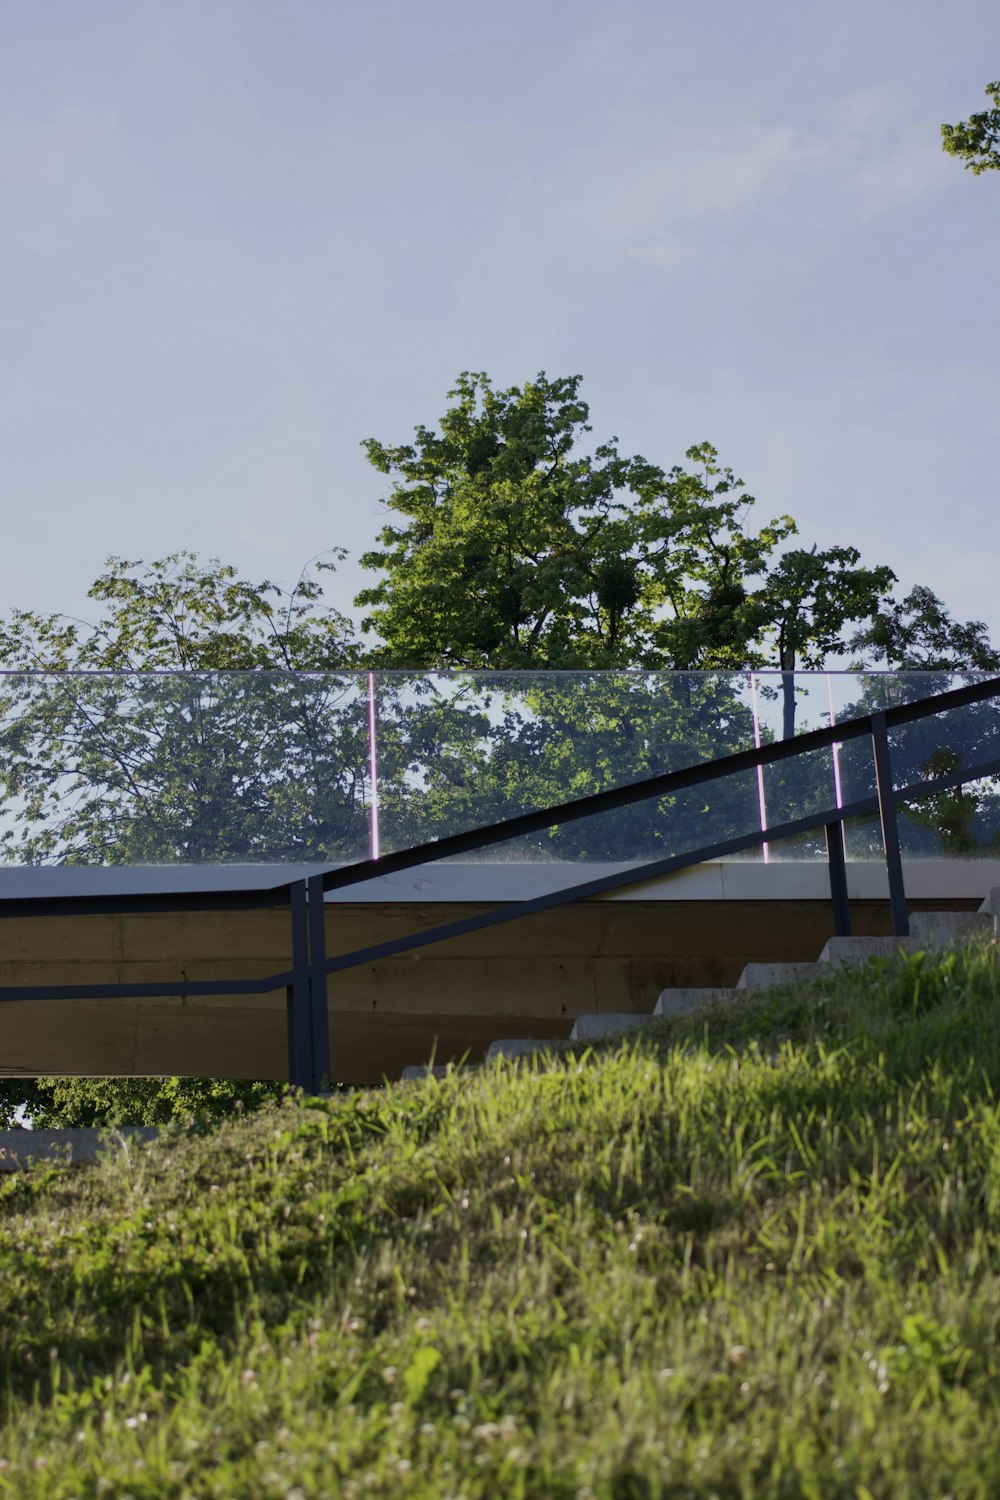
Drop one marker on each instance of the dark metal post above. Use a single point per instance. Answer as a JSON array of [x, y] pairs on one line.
[[838, 878], [317, 987], [298, 993], [890, 831]]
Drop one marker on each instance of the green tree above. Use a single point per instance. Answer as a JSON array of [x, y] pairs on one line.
[[58, 1103], [976, 141], [178, 614], [919, 634], [691, 528], [517, 550], [920, 647], [953, 814], [172, 729], [802, 608], [512, 547], [514, 551]]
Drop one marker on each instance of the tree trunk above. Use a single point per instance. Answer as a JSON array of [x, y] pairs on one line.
[[788, 694]]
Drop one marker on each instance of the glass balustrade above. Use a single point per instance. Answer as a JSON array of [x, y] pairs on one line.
[[292, 768]]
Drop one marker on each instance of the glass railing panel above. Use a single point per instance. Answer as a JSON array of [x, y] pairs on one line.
[[798, 788], [183, 768], [955, 739], [962, 821], [653, 829], [277, 768], [958, 738], [456, 751], [790, 704], [958, 823]]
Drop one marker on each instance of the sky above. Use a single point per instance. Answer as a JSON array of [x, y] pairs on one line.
[[240, 237]]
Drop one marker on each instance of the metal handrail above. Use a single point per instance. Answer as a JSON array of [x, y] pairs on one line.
[[305, 982], [655, 786]]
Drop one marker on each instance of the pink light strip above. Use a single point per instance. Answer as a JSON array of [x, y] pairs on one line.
[[373, 766]]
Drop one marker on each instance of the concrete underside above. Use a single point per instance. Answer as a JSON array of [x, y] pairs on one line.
[[531, 977]]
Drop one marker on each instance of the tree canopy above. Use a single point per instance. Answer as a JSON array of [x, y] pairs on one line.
[[517, 549], [171, 730], [181, 615], [976, 141], [919, 634]]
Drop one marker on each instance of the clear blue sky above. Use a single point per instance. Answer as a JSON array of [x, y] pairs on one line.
[[238, 237]]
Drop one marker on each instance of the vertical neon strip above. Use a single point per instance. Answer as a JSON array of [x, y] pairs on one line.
[[373, 765], [765, 848]]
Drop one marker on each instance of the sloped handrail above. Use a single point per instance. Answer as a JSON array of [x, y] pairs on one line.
[[306, 982]]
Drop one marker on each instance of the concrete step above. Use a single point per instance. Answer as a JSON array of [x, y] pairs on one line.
[[682, 1002], [931, 929], [939, 929], [763, 976], [608, 1023], [21, 1148], [858, 950], [991, 905], [512, 1047]]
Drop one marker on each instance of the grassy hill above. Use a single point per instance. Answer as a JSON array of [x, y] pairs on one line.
[[753, 1253]]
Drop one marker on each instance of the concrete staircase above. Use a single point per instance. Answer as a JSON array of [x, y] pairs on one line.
[[928, 930]]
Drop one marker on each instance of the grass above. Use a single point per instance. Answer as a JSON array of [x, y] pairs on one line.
[[750, 1253]]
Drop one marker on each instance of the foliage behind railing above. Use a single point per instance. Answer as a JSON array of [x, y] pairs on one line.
[[153, 768]]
